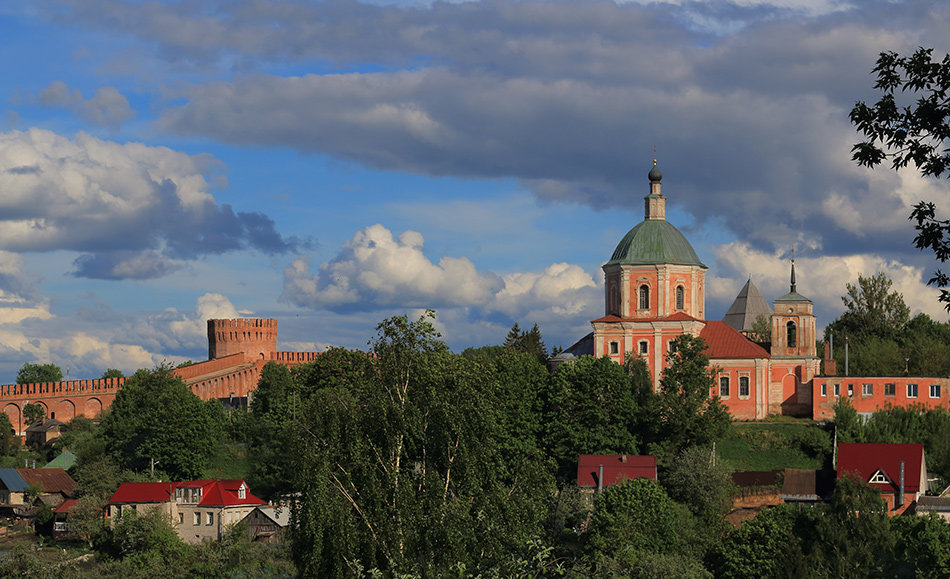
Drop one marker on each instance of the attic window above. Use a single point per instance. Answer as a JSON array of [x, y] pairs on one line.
[[879, 478], [242, 492]]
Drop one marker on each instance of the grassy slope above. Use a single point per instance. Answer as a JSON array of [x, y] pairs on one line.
[[775, 445]]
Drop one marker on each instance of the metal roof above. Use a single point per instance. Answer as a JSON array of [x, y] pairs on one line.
[[12, 480], [654, 241], [746, 308]]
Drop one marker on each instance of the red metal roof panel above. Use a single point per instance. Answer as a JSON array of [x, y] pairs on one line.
[[616, 468], [866, 459]]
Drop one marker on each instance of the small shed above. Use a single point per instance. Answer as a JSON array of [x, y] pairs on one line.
[[267, 523]]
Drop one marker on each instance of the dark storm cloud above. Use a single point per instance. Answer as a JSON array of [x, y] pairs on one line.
[[748, 106], [133, 211]]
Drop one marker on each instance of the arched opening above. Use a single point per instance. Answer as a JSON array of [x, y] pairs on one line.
[[644, 297], [680, 297], [791, 335]]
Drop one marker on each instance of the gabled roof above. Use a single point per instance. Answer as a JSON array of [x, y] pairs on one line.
[[616, 467], [726, 343], [66, 506], [867, 459], [45, 425], [65, 460], [746, 308], [143, 492], [52, 480], [12, 480], [214, 492], [279, 515]]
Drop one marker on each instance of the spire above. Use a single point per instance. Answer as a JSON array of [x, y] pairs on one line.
[[655, 203], [792, 290]]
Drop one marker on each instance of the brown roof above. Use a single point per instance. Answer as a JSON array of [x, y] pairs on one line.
[[53, 480]]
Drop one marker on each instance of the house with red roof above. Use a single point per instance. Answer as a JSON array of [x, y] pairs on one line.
[[596, 471], [898, 471], [202, 510], [655, 290]]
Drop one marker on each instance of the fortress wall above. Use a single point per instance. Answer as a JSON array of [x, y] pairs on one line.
[[254, 337], [209, 366]]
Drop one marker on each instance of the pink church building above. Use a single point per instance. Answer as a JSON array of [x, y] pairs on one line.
[[655, 290]]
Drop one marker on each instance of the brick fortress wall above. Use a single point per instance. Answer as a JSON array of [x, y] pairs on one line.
[[237, 351]]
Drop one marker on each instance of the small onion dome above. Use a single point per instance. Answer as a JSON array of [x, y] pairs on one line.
[[655, 175]]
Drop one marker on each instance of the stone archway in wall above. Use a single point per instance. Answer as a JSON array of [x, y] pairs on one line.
[[92, 408], [66, 411], [42, 405], [13, 413], [791, 406]]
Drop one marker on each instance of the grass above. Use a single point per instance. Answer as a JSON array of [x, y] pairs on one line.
[[774, 445], [230, 462]]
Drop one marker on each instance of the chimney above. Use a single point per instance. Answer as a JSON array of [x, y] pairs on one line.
[[900, 491], [600, 479]]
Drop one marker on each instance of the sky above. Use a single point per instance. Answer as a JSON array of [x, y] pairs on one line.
[[332, 164]]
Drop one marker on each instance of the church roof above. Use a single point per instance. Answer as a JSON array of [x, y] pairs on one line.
[[748, 306], [726, 343], [654, 241]]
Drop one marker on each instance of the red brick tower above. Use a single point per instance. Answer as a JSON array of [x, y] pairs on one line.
[[256, 338]]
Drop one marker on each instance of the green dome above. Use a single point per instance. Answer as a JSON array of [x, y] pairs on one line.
[[654, 241]]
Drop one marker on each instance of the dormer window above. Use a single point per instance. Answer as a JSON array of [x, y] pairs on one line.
[[879, 478], [242, 491]]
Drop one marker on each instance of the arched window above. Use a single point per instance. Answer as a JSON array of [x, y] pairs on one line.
[[644, 297], [680, 297], [791, 335]]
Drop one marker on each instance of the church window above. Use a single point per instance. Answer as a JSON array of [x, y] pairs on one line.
[[644, 347], [791, 334], [743, 386], [614, 348], [644, 297], [680, 297], [724, 386]]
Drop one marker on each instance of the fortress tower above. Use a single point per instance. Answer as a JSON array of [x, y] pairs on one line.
[[256, 338]]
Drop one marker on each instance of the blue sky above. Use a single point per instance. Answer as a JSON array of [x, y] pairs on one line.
[[330, 164]]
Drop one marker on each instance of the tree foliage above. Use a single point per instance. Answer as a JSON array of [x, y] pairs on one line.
[[911, 132], [112, 373], [530, 342], [688, 415], [33, 413], [39, 373], [155, 416]]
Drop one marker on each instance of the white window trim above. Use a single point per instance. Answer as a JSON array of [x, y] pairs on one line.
[[867, 390], [914, 395], [728, 393], [938, 389], [824, 389], [879, 477], [748, 380], [837, 390]]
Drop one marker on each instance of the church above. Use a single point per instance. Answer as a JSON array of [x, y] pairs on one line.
[[655, 289]]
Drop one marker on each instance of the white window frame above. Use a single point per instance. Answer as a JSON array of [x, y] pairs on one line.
[[824, 389], [935, 391], [748, 387], [210, 519], [837, 390], [724, 380], [197, 518], [644, 347], [912, 391], [867, 390], [893, 388]]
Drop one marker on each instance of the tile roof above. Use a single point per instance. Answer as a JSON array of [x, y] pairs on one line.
[[867, 459], [616, 467], [726, 343], [214, 492], [53, 480]]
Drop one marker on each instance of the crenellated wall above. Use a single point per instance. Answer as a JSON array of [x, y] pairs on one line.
[[238, 350]]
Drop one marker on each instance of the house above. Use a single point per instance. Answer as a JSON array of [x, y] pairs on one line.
[[43, 432], [53, 486], [202, 510], [61, 519], [596, 471], [898, 471], [267, 523]]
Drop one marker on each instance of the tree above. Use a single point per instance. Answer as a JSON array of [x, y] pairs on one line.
[[696, 479], [762, 329], [156, 417], [9, 441], [112, 373], [872, 307], [915, 133], [33, 413], [530, 342], [688, 415], [39, 373], [590, 408]]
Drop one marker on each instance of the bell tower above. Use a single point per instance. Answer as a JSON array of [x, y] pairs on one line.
[[793, 324]]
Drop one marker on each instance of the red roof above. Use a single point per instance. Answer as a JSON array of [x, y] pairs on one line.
[[616, 467], [66, 506], [866, 460], [214, 492], [143, 492], [725, 342], [677, 317]]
